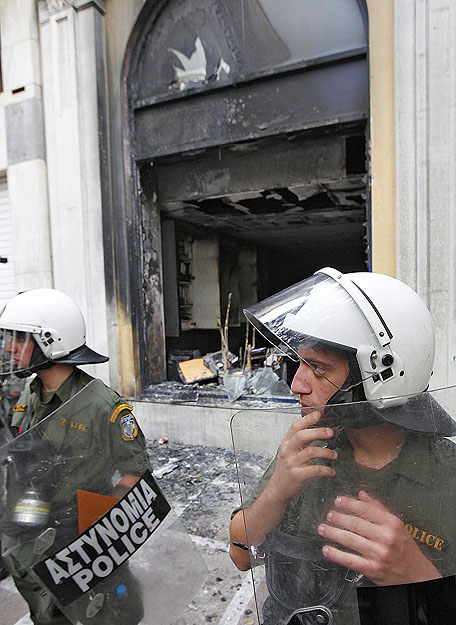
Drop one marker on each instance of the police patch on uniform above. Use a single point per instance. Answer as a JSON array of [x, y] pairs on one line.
[[20, 408], [129, 427], [425, 537], [120, 409]]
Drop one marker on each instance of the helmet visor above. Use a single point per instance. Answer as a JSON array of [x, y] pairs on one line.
[[18, 352], [312, 320]]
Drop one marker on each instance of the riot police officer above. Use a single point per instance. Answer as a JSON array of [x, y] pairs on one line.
[[10, 390], [364, 338], [45, 334]]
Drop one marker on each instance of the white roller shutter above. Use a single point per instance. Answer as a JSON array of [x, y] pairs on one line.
[[7, 281]]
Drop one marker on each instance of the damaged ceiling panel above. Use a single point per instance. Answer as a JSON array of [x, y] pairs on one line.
[[274, 215]]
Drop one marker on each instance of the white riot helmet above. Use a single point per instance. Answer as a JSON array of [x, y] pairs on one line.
[[51, 321], [379, 324]]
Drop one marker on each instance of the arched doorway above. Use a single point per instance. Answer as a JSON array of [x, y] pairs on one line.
[[248, 124]]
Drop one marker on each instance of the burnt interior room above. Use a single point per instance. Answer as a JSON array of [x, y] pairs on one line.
[[251, 219]]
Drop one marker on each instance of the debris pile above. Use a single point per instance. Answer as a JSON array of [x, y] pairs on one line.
[[263, 381], [207, 368], [256, 376], [256, 371]]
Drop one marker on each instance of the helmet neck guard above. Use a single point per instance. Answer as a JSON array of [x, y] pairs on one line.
[[80, 356], [418, 413]]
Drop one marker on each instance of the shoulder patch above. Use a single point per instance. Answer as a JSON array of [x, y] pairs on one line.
[[129, 427], [119, 409], [20, 408]]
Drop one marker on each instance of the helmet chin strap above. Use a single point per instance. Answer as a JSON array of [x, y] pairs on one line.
[[356, 419], [36, 362]]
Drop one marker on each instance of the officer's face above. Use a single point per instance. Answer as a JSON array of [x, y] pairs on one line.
[[317, 383], [20, 346]]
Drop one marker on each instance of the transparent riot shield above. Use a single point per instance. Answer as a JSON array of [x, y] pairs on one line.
[[105, 560], [332, 509]]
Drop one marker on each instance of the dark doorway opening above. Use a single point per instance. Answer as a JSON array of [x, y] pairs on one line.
[[250, 221]]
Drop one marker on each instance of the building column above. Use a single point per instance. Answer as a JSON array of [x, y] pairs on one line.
[[73, 59], [22, 105], [426, 164]]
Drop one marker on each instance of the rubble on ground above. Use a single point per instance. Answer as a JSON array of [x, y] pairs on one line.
[[201, 485]]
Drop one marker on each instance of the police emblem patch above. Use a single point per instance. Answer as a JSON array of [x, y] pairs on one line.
[[119, 409], [129, 427]]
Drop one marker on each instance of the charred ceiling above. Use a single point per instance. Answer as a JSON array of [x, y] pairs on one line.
[[269, 192], [274, 215]]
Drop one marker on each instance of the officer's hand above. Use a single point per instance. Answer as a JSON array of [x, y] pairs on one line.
[[387, 553], [293, 468]]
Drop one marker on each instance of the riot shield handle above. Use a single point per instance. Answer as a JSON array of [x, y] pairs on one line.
[[95, 605], [45, 540], [314, 615], [257, 557]]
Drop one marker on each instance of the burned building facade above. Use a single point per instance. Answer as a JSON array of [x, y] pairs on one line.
[[248, 135], [182, 151]]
